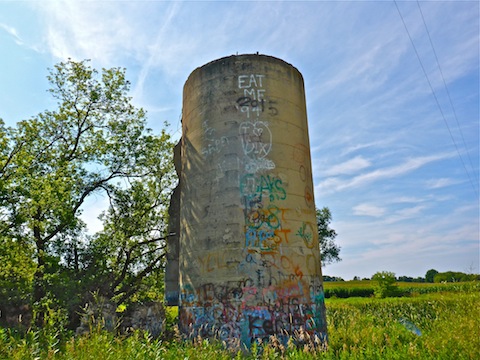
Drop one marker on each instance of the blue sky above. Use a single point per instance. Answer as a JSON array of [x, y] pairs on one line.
[[392, 100]]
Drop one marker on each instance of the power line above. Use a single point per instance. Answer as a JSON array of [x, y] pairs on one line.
[[448, 93], [436, 99]]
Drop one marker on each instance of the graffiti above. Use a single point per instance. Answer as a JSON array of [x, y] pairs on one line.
[[216, 260], [254, 238], [260, 323], [212, 143], [252, 100], [303, 173], [213, 146], [255, 103], [306, 232], [256, 139], [253, 166], [249, 81], [269, 218], [261, 226], [263, 232], [265, 241], [241, 310], [187, 295], [316, 291], [256, 187], [255, 136], [308, 196], [272, 186], [229, 237], [230, 331], [273, 268], [300, 153], [247, 105]]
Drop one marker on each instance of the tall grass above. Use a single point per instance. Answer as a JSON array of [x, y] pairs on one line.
[[366, 288], [441, 325], [384, 328]]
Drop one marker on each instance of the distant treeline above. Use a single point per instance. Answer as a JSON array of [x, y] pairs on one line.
[[367, 288], [432, 276], [452, 276]]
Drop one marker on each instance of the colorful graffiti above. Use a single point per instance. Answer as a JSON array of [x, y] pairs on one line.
[[306, 232], [244, 311], [263, 218], [256, 187]]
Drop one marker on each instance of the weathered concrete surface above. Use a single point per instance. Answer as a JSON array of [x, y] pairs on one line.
[[148, 316], [173, 246], [249, 259]]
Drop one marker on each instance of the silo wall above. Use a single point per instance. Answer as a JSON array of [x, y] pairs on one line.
[[249, 261]]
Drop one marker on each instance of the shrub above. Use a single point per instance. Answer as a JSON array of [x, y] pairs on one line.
[[347, 292], [385, 284]]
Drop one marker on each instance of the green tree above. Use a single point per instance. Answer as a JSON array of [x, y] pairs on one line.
[[385, 284], [329, 251], [454, 276], [430, 275], [130, 248], [16, 274], [9, 214], [95, 142]]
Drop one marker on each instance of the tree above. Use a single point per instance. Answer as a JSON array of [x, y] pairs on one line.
[[430, 275], [95, 142], [454, 276], [385, 284], [131, 245], [329, 251], [16, 274], [9, 215]]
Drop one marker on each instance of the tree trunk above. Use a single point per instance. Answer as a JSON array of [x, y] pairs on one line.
[[39, 291]]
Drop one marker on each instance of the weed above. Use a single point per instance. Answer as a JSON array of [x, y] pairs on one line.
[[434, 325]]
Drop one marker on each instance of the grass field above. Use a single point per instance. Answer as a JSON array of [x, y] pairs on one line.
[[365, 288], [436, 325]]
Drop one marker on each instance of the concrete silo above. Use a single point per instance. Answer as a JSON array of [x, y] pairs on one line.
[[249, 261]]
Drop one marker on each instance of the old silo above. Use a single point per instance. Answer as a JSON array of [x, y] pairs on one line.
[[249, 262]]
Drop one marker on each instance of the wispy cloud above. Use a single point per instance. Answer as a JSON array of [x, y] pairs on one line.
[[18, 39], [348, 167], [101, 31], [407, 199], [407, 248], [405, 214], [12, 32], [386, 216], [368, 210], [156, 49], [337, 184], [373, 144], [440, 183]]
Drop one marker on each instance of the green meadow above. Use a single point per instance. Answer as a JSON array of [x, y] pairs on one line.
[[441, 323], [366, 288]]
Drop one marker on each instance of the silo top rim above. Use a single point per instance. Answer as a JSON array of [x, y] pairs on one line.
[[247, 56]]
